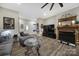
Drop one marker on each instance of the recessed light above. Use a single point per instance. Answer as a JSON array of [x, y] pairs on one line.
[[45, 14]]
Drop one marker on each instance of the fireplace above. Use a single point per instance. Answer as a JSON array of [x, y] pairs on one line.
[[68, 37], [68, 30]]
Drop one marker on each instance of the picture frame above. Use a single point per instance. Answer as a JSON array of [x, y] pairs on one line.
[[8, 23]]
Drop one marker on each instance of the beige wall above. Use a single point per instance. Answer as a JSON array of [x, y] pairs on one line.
[[40, 21], [8, 13]]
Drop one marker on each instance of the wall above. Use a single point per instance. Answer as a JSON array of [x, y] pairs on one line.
[[40, 21], [50, 21], [8, 13], [25, 23]]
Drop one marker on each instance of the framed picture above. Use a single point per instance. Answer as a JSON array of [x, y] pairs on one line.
[[22, 26], [8, 23]]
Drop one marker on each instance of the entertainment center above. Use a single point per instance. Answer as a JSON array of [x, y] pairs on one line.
[[49, 31]]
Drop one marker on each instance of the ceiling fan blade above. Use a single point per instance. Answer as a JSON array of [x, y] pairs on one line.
[[44, 5], [61, 4], [51, 6]]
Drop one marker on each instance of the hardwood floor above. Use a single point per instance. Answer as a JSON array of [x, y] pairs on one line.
[[49, 47]]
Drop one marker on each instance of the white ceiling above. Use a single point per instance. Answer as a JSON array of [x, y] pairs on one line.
[[34, 11]]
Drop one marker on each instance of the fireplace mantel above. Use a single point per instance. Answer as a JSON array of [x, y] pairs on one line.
[[69, 28]]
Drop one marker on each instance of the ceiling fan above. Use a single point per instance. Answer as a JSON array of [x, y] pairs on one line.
[[61, 5]]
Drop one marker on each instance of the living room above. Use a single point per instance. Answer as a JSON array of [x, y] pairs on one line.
[[55, 26]]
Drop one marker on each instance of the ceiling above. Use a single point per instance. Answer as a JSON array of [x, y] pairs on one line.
[[34, 11]]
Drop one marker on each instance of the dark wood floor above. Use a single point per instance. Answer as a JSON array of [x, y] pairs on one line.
[[49, 47]]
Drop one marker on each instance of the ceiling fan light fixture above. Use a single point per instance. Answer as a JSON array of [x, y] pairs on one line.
[[61, 5], [44, 5], [51, 6]]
